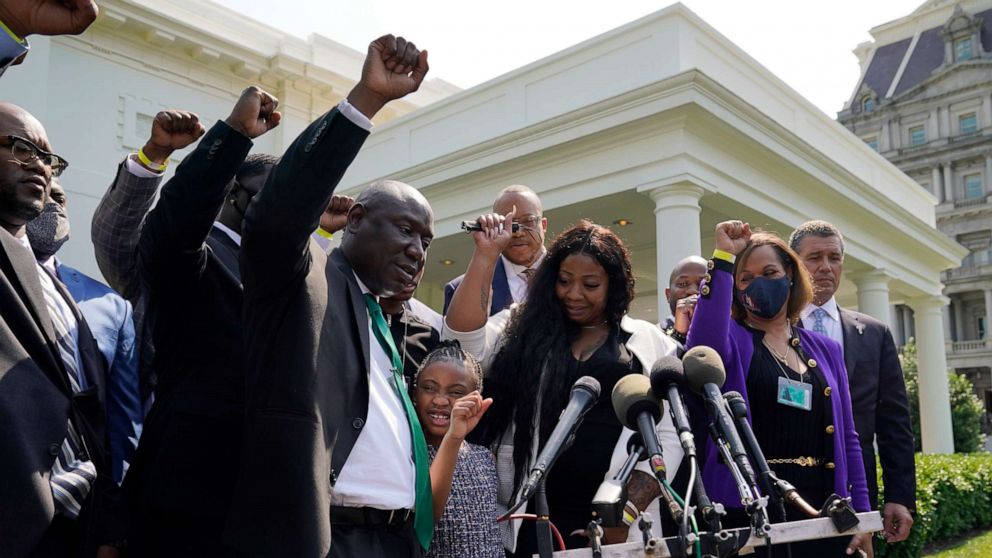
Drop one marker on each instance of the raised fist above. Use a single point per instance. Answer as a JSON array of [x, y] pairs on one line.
[[335, 216], [496, 233], [48, 17], [393, 68], [255, 113], [732, 236], [172, 130]]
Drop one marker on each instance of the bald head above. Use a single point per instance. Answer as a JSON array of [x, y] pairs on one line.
[[527, 243], [24, 185], [684, 281], [389, 229]]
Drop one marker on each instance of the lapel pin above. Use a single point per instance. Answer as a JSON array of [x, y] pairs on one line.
[[861, 329]]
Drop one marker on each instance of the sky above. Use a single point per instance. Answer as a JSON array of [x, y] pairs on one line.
[[806, 43]]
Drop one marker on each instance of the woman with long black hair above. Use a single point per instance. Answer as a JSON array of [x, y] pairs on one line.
[[573, 323]]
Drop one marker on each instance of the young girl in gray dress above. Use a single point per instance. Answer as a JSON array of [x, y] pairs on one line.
[[463, 475]]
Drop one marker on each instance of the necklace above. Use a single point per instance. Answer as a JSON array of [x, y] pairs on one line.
[[784, 357]]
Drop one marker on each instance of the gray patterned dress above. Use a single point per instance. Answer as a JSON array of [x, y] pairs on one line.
[[468, 529]]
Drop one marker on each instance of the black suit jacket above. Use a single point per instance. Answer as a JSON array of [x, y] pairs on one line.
[[881, 408], [35, 403], [186, 465], [502, 297], [307, 345]]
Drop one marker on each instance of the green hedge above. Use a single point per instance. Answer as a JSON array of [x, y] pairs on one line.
[[953, 495]]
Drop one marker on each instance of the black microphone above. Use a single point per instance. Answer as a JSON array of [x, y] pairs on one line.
[[585, 392], [667, 379], [773, 486], [639, 410], [705, 375], [474, 226]]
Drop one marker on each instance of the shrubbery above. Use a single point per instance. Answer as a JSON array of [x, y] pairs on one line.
[[953, 495]]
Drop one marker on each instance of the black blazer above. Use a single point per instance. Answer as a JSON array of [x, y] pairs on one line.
[[307, 347], [502, 298], [187, 460], [35, 403], [881, 408]]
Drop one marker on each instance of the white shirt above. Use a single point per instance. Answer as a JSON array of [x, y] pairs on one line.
[[516, 279], [229, 232], [64, 310], [831, 321], [379, 472]]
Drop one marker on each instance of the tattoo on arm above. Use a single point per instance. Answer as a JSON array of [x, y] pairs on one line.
[[484, 301], [642, 489]]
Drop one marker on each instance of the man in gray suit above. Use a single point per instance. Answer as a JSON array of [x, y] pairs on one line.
[[58, 497], [878, 390]]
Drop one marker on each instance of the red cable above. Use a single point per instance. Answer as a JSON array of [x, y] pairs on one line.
[[532, 517]]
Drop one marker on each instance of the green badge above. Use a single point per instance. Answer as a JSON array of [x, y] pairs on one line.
[[795, 394]]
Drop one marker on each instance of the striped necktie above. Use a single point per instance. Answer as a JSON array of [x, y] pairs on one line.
[[818, 325], [73, 472], [423, 508]]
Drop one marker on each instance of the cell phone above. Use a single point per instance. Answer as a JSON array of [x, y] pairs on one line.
[[473, 226]]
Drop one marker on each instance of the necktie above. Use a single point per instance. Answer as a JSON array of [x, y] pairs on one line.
[[527, 274], [72, 473], [423, 510], [818, 325]]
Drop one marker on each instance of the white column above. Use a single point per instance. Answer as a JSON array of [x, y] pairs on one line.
[[946, 316], [987, 179], [907, 322], [986, 120], [937, 183], [988, 313], [948, 182], [676, 218], [935, 406], [884, 144], [873, 294], [935, 130], [958, 319]]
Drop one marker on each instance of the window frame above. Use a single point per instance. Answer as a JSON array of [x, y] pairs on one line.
[[965, 184], [973, 117], [910, 132]]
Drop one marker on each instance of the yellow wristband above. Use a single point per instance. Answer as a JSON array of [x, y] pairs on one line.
[[13, 35], [144, 160], [725, 256], [324, 233]]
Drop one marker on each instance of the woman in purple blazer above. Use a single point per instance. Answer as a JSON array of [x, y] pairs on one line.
[[794, 380]]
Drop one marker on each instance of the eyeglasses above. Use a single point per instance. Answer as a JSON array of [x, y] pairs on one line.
[[529, 222], [24, 152]]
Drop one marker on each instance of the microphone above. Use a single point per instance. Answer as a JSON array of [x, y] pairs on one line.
[[705, 375], [667, 378], [611, 497], [639, 410], [770, 483], [585, 392], [473, 226]]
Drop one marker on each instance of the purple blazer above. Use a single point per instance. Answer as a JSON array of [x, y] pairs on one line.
[[712, 326]]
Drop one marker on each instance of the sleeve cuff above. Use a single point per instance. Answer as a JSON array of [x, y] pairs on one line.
[[353, 114], [139, 170], [12, 47]]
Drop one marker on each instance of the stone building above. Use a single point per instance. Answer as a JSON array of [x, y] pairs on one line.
[[924, 102]]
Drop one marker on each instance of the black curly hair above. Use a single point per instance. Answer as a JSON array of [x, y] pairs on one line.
[[451, 352], [539, 337]]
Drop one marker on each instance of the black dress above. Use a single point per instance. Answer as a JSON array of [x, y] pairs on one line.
[[572, 481], [785, 432]]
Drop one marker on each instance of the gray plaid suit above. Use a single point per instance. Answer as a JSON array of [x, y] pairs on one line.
[[115, 230]]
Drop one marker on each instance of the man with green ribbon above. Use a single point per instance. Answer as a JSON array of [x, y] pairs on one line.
[[335, 462]]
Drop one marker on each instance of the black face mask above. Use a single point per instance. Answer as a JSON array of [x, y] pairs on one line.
[[48, 231], [765, 297]]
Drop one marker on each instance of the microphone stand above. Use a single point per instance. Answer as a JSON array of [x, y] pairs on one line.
[[542, 527], [754, 505]]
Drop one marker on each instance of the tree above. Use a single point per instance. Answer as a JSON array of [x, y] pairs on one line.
[[966, 408]]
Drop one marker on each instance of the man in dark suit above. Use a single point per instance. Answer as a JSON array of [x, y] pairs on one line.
[[109, 318], [522, 256], [878, 390], [57, 497], [180, 484], [329, 442]]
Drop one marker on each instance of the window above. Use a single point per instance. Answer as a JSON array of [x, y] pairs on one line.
[[968, 123], [917, 135], [973, 186], [872, 143], [867, 104], [962, 49]]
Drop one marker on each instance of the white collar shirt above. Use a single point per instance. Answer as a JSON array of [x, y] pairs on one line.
[[831, 321], [516, 279], [229, 232], [379, 472]]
